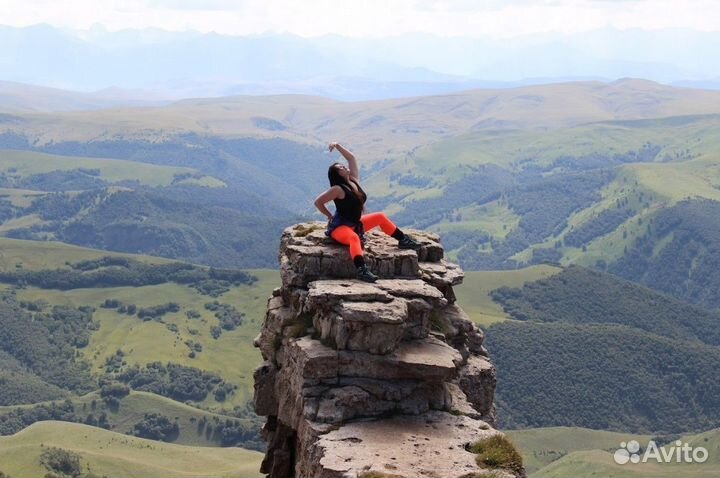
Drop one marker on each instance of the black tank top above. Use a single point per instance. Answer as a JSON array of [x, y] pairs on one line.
[[350, 207]]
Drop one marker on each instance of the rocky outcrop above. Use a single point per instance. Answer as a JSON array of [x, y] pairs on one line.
[[389, 377]]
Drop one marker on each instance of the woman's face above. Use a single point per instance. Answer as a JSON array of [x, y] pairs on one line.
[[343, 171]]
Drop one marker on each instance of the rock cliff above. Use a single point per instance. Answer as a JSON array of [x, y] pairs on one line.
[[382, 379]]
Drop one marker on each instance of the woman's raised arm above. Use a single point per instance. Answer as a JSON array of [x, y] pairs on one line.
[[352, 162]]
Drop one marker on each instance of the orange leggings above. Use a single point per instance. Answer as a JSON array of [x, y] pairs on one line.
[[346, 235]]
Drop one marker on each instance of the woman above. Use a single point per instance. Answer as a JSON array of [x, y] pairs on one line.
[[348, 224]]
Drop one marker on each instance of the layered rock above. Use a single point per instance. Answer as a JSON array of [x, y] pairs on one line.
[[389, 377]]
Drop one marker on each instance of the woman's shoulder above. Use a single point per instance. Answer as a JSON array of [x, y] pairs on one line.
[[339, 191]]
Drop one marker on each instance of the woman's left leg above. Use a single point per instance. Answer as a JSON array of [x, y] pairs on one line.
[[374, 219]]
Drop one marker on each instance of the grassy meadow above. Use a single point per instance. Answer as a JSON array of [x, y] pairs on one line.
[[568, 452], [27, 163], [134, 406], [38, 255], [231, 356], [106, 453]]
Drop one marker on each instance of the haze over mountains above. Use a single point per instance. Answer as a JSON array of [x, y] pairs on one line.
[[192, 64], [377, 129]]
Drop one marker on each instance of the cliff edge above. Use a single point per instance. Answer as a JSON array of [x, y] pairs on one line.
[[371, 379]]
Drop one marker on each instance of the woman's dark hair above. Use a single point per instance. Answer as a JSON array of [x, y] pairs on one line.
[[337, 180], [334, 175]]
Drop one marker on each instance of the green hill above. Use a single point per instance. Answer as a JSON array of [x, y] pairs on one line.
[[475, 293], [602, 376], [203, 337], [107, 453], [209, 200], [679, 254], [18, 254], [153, 222], [195, 427], [44, 342], [541, 446], [275, 171], [583, 296], [653, 164], [583, 343], [50, 172], [166, 340], [568, 452], [17, 383], [600, 462]]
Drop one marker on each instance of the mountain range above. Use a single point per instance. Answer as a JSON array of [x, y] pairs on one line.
[[192, 64], [585, 215]]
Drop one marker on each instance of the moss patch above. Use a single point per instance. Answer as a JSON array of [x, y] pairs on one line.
[[377, 474], [302, 231], [497, 452]]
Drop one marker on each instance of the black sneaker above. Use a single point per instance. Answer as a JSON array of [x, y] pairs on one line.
[[408, 242], [364, 274]]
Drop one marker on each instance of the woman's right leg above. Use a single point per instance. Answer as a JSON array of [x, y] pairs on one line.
[[345, 235]]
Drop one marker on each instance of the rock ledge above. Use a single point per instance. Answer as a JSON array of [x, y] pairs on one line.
[[359, 378]]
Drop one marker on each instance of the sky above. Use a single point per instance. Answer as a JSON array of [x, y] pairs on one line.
[[367, 18]]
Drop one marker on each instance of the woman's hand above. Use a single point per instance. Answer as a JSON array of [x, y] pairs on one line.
[[354, 170]]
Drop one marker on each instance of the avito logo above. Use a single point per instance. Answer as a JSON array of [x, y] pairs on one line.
[[679, 453]]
